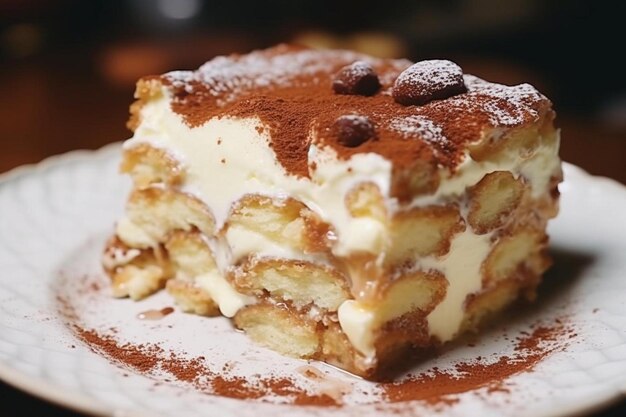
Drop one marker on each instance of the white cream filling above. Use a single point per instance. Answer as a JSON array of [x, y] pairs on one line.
[[461, 267], [224, 295], [242, 242], [359, 323], [366, 235], [537, 169], [227, 158]]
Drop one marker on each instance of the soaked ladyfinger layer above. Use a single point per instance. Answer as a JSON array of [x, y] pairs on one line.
[[337, 206]]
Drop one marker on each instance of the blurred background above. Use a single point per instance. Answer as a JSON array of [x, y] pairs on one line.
[[68, 67]]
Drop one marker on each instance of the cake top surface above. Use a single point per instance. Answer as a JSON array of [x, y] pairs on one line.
[[354, 103]]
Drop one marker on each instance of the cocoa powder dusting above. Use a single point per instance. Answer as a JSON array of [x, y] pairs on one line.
[[143, 358], [531, 342], [289, 90], [185, 370], [437, 387], [322, 400], [236, 388], [150, 359]]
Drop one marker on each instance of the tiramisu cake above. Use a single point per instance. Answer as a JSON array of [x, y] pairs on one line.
[[337, 206]]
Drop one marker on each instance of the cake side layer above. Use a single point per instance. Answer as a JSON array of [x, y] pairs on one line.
[[204, 154], [334, 205]]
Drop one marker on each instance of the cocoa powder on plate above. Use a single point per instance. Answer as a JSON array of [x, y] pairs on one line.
[[436, 387]]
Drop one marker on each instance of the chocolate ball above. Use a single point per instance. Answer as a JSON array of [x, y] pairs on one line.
[[358, 78], [425, 81], [353, 130]]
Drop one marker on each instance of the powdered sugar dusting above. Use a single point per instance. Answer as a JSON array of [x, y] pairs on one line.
[[227, 77], [181, 79], [418, 126], [506, 105], [359, 69]]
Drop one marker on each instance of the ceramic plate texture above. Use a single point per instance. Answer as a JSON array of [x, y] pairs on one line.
[[63, 338]]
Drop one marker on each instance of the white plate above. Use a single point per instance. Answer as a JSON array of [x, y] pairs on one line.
[[54, 218]]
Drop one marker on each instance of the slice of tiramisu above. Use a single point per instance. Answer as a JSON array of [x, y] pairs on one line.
[[337, 206]]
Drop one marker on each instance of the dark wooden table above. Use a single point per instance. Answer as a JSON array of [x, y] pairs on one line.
[[53, 108]]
